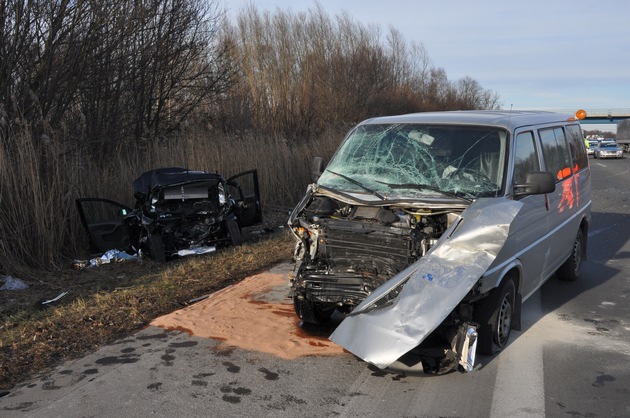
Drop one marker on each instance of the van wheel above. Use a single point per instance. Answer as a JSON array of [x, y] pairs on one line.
[[494, 315], [311, 312], [570, 270]]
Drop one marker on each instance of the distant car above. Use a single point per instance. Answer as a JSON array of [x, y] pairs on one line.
[[608, 149], [177, 212]]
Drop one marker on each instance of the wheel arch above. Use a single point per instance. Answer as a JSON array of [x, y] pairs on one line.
[[490, 316], [513, 270], [515, 274]]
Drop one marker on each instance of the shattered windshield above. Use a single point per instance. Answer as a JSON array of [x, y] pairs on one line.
[[418, 160]]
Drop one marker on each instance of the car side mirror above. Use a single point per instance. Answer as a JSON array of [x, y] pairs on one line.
[[317, 168], [139, 196], [538, 182]]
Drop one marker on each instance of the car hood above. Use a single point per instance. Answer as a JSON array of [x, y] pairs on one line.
[[168, 176]]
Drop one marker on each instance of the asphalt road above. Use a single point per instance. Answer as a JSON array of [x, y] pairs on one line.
[[572, 358]]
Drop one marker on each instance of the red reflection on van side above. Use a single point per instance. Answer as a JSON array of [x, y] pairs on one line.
[[570, 193]]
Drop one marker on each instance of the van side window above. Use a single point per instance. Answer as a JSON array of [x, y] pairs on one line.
[[555, 151], [578, 149], [525, 157]]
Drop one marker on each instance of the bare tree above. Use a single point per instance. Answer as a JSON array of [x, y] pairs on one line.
[[468, 94], [301, 73], [105, 71]]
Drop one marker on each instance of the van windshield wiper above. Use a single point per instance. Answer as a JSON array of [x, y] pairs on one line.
[[358, 183], [419, 186]]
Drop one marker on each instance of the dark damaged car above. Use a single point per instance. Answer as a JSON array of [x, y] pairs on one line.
[[177, 212], [440, 223]]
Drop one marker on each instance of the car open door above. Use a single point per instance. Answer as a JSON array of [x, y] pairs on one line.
[[103, 222], [243, 188]]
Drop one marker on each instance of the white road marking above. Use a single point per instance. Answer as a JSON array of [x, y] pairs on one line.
[[519, 389], [622, 173], [592, 233], [600, 164]]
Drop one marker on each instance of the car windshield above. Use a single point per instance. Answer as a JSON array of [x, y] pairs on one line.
[[402, 161], [609, 145]]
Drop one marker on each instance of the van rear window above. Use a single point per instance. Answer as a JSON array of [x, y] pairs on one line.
[[578, 149]]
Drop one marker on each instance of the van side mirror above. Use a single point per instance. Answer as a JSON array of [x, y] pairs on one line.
[[538, 182], [317, 168]]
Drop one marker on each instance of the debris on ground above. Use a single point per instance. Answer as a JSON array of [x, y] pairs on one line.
[[111, 256], [11, 283], [54, 300]]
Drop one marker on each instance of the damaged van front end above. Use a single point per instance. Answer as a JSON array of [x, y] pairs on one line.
[[347, 247]]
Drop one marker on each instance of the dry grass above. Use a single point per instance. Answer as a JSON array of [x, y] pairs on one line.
[[137, 292]]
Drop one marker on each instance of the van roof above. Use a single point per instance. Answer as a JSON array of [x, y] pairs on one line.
[[504, 118]]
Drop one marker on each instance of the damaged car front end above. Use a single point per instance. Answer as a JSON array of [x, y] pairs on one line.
[[415, 229], [177, 212]]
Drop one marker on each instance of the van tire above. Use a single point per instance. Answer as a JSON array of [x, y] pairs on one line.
[[569, 271], [494, 314]]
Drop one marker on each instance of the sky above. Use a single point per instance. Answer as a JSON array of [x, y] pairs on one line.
[[535, 54]]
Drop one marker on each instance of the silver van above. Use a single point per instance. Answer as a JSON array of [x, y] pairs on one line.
[[440, 223]]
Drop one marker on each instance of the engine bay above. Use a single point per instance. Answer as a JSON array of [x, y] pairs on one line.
[[345, 251]]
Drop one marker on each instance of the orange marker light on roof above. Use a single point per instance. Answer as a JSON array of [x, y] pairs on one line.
[[580, 114]]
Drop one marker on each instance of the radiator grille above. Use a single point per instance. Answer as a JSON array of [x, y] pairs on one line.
[[360, 247]]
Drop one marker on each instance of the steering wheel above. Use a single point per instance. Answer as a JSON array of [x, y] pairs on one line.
[[470, 174]]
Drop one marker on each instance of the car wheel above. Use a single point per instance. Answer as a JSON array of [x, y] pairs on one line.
[[494, 315], [570, 270], [234, 230], [156, 247], [312, 312]]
